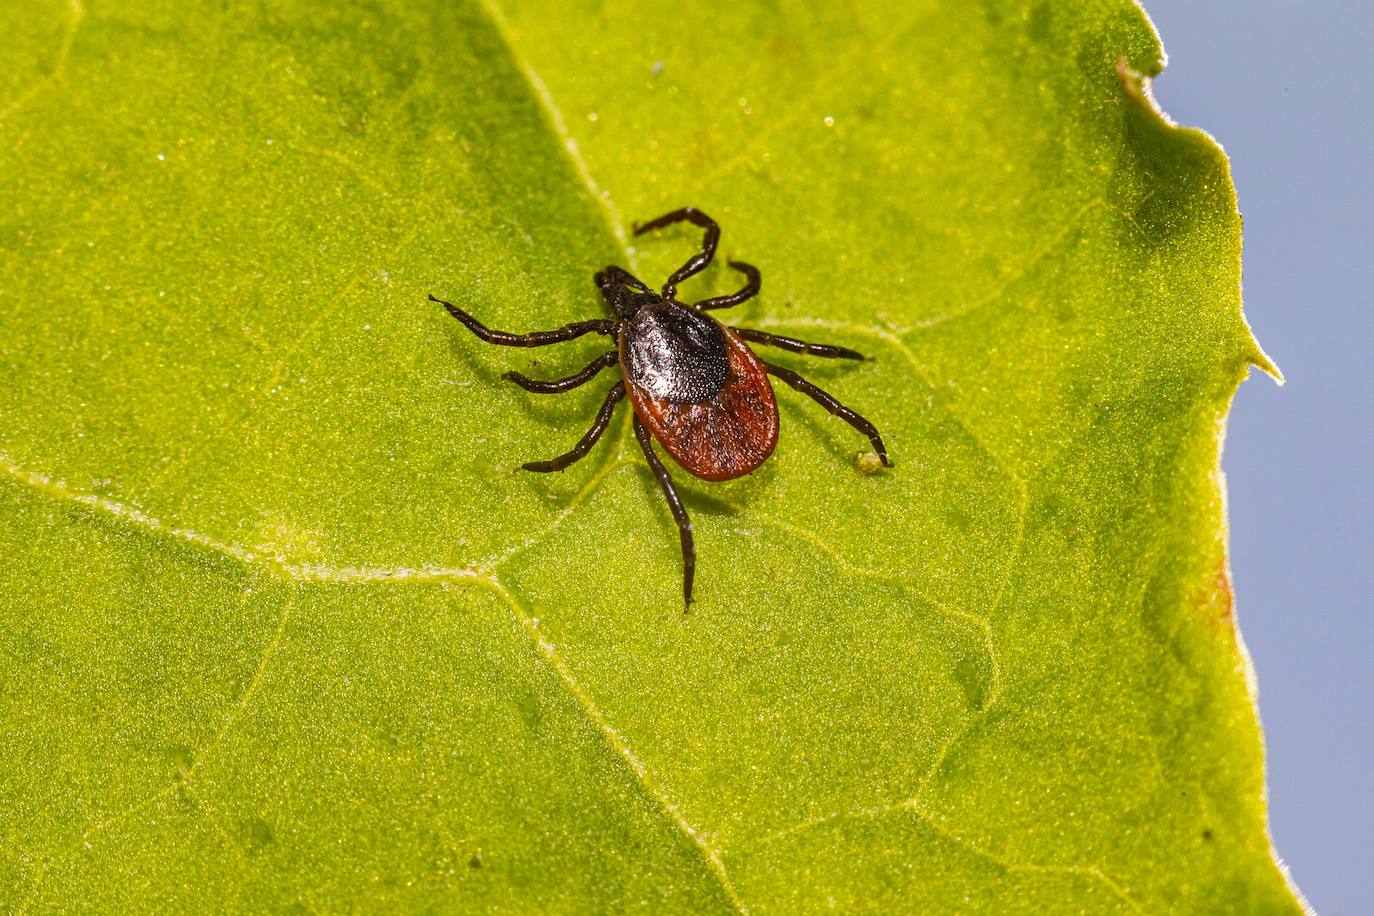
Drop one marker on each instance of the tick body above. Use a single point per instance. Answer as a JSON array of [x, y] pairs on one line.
[[694, 384], [700, 390]]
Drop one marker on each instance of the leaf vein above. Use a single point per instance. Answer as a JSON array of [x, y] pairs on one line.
[[492, 563], [548, 652], [182, 779], [78, 13], [979, 623], [271, 564], [912, 806], [560, 126], [1045, 250], [282, 362]]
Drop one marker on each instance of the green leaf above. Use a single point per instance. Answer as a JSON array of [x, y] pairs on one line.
[[285, 626]]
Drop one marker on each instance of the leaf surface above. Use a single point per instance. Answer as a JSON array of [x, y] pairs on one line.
[[286, 625]]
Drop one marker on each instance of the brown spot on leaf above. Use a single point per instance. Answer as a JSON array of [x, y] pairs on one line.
[[1224, 600], [1211, 598]]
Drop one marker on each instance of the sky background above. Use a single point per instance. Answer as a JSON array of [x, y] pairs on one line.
[[1285, 87]]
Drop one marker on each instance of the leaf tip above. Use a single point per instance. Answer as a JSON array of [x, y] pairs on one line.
[[1261, 361]]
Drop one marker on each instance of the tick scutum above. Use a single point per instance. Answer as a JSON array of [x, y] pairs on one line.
[[675, 354]]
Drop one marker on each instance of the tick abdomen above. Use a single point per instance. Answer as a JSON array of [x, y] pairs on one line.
[[675, 354], [724, 437]]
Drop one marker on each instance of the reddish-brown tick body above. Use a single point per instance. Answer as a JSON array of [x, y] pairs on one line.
[[705, 397]]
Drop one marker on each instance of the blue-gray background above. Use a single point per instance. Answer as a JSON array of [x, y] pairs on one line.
[[1284, 85]]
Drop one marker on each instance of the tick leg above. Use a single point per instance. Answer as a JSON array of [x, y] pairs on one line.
[[752, 283], [697, 261], [586, 374], [832, 405], [684, 524], [798, 346], [584, 445], [536, 339], [613, 274]]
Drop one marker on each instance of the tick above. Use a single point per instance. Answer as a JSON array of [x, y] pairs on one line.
[[694, 383]]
